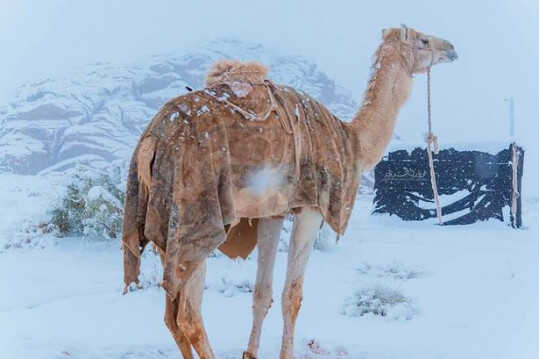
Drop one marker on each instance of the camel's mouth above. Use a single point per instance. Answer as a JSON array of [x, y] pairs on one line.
[[445, 56], [449, 53]]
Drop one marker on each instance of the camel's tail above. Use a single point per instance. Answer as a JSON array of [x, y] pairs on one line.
[[138, 182]]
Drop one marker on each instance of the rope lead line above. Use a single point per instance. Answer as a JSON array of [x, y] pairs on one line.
[[432, 145]]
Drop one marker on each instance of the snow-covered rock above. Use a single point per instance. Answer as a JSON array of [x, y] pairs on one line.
[[96, 115]]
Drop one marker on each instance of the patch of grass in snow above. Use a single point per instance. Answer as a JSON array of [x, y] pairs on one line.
[[33, 236], [379, 301], [92, 206], [396, 271]]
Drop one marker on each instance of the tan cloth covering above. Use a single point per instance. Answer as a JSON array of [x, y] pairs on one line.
[[212, 159]]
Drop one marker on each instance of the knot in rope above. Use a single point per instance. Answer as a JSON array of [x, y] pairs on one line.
[[433, 142]]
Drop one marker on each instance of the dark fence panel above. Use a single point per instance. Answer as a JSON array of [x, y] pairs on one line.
[[403, 184]]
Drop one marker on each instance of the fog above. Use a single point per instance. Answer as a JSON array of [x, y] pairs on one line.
[[497, 43]]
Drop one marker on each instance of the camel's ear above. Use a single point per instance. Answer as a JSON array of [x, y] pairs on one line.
[[404, 33]]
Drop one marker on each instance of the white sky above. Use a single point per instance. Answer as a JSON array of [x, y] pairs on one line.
[[497, 41]]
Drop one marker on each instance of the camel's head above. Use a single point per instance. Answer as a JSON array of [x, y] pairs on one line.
[[426, 50]]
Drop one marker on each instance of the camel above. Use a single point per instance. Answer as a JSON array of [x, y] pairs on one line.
[[222, 166]]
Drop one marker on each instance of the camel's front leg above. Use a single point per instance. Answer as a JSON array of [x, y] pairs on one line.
[[268, 230], [306, 225]]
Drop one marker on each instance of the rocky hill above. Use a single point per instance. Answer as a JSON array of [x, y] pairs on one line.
[[94, 117]]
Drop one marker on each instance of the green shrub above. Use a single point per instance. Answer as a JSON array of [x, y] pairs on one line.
[[92, 206]]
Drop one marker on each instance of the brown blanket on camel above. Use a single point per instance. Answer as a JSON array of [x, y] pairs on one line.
[[213, 161]]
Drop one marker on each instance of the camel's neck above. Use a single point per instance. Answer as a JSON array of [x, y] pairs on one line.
[[388, 89]]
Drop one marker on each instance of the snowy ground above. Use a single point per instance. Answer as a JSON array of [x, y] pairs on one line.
[[470, 291]]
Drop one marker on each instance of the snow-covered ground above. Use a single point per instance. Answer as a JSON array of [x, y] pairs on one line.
[[465, 292]]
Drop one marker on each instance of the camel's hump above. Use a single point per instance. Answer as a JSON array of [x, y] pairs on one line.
[[230, 71]]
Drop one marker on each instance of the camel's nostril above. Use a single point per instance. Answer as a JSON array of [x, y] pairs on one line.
[[452, 55]]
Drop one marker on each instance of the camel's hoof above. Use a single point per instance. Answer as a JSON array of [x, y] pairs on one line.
[[247, 355]]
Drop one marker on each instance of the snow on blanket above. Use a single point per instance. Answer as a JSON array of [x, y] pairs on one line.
[[197, 175]]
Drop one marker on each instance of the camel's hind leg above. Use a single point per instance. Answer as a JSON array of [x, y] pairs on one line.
[[189, 317], [268, 230], [306, 224], [171, 313]]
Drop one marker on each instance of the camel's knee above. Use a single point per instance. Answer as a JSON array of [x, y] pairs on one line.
[[193, 332], [188, 329], [171, 310], [189, 323], [292, 300]]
